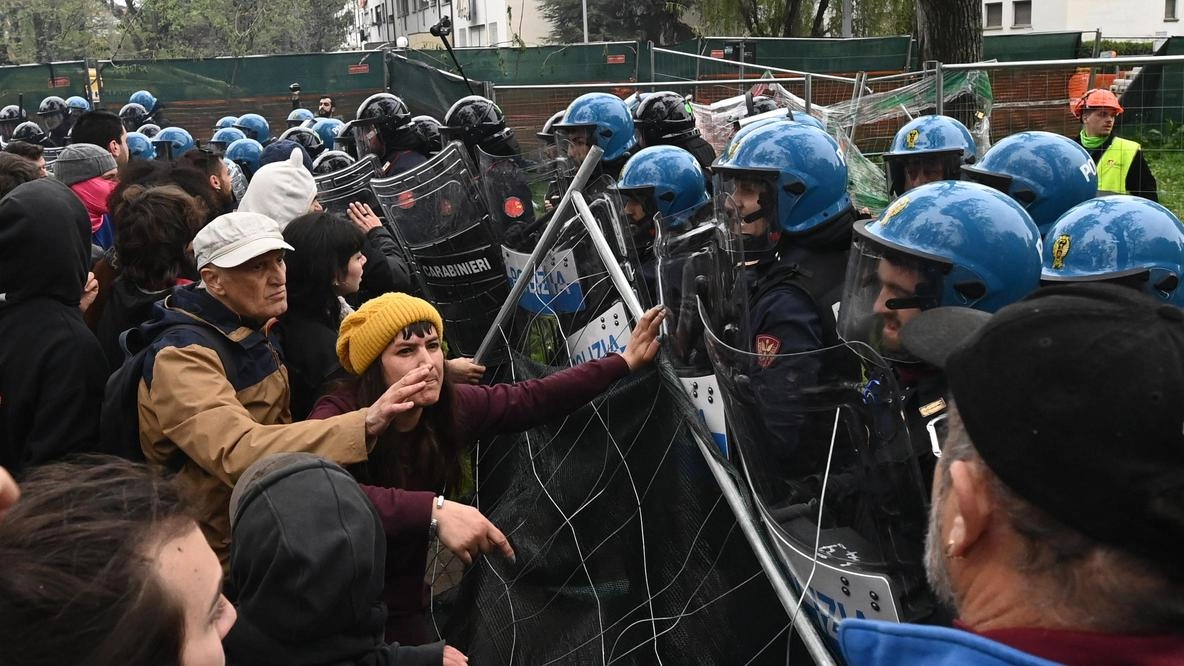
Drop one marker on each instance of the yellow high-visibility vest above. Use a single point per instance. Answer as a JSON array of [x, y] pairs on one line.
[[1114, 164]]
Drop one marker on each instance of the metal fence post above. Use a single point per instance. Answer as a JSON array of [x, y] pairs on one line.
[[808, 91], [939, 90], [1097, 51], [653, 73]]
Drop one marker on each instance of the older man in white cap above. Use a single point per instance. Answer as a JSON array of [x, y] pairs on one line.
[[214, 397]]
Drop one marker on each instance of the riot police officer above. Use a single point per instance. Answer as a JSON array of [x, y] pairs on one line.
[[152, 105], [10, 117], [597, 119], [312, 142], [255, 127], [1123, 239], [782, 187], [661, 185], [429, 128], [1046, 173], [666, 118], [298, 116], [928, 149], [384, 128], [133, 116], [479, 123], [54, 114]]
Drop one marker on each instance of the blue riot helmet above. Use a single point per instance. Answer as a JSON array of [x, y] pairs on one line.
[[941, 244], [596, 119], [144, 99], [312, 142], [1047, 173], [927, 149], [327, 129], [298, 116], [1124, 239], [667, 182], [172, 142], [133, 115], [779, 178], [140, 147], [255, 127], [224, 122], [77, 105], [224, 137], [245, 153], [330, 161]]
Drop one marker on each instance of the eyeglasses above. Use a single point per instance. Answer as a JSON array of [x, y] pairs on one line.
[[937, 433]]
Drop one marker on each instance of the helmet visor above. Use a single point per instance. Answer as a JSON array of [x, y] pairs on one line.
[[884, 289], [574, 141], [909, 171], [746, 206], [367, 140]]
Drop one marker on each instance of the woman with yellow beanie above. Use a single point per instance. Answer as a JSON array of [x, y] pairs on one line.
[[397, 338]]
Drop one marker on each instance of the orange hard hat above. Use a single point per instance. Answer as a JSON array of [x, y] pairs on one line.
[[1097, 98]]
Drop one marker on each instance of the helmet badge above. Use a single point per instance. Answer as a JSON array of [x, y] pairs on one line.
[[911, 138], [892, 210], [1060, 250]]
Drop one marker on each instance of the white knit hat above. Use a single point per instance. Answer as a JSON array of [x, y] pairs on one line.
[[282, 191]]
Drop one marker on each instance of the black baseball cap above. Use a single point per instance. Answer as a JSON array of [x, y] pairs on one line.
[[1074, 398]]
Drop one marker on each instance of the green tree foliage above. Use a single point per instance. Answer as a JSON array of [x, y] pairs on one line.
[[658, 21], [39, 31], [765, 18], [44, 30], [876, 18]]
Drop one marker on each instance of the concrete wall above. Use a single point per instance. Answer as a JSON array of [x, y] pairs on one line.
[[1116, 18]]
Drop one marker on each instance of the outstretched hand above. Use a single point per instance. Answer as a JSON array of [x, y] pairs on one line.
[[643, 342], [363, 216], [464, 370], [467, 532], [395, 400]]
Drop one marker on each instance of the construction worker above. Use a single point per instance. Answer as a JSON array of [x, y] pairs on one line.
[[1121, 167]]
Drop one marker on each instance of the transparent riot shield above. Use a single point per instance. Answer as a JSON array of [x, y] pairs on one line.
[[437, 213], [571, 311], [820, 438], [337, 190], [518, 188], [684, 260]]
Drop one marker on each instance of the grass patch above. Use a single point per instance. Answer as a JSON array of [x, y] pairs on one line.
[[1168, 168]]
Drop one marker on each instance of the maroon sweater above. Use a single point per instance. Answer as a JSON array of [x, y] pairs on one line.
[[481, 411]]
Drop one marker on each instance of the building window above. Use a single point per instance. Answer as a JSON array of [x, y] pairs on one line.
[[994, 17], [1021, 14], [403, 8], [1169, 10]]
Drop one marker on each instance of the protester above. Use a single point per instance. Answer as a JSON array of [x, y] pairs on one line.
[[101, 563], [29, 151], [326, 265], [396, 339], [1121, 166], [90, 171], [281, 150], [154, 229], [327, 107], [105, 130], [217, 175], [307, 569], [215, 395], [15, 171], [1056, 523], [52, 369], [282, 190]]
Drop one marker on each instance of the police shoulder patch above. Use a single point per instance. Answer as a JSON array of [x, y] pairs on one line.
[[1060, 250], [767, 347]]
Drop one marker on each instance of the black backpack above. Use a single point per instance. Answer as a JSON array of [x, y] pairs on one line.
[[119, 417]]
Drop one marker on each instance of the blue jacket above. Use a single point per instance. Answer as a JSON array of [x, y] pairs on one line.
[[874, 642]]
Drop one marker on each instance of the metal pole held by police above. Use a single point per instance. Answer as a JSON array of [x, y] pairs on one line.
[[583, 175]]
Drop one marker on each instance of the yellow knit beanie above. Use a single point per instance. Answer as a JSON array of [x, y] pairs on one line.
[[367, 332]]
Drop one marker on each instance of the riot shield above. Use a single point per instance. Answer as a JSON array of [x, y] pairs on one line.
[[437, 213], [337, 190], [681, 260], [518, 188], [820, 438], [571, 311]]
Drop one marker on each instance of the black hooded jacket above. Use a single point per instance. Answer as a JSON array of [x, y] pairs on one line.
[[307, 564], [52, 370]]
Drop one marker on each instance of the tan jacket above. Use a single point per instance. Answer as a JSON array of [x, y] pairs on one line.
[[192, 419]]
